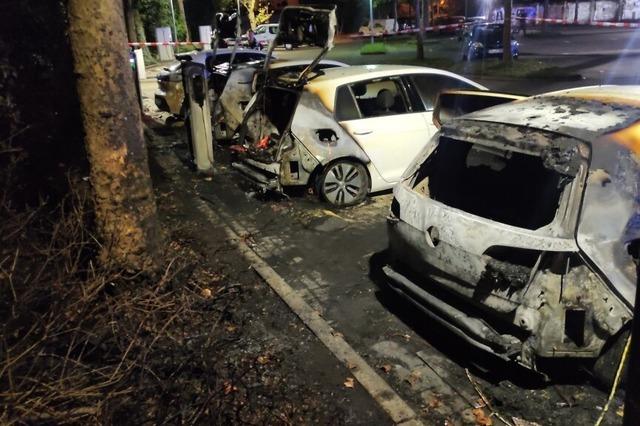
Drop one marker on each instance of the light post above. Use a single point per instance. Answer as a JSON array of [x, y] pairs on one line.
[[371, 20], [173, 17]]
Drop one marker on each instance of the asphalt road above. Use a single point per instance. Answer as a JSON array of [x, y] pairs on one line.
[[601, 55]]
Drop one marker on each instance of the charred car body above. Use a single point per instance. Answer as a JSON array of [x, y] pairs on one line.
[[169, 96], [512, 227], [240, 88], [344, 132]]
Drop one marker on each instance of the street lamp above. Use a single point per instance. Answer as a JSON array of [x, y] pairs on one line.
[[173, 17]]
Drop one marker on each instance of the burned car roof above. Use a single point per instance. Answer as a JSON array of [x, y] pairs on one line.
[[585, 113]]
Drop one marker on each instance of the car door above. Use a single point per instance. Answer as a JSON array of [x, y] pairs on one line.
[[384, 122]]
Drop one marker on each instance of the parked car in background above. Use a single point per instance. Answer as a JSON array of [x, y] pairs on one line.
[[241, 86], [169, 96], [345, 132], [486, 40], [264, 34], [516, 227]]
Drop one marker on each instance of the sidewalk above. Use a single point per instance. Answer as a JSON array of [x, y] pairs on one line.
[[268, 367]]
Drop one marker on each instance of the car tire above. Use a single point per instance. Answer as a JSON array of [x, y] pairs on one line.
[[344, 183], [606, 366]]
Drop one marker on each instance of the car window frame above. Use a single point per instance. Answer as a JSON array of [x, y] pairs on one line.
[[468, 86], [398, 78], [353, 97]]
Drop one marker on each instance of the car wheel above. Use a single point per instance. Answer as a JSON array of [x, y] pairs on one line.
[[606, 366], [344, 183]]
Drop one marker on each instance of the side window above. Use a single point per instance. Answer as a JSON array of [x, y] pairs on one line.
[[380, 97], [274, 29], [346, 108], [429, 85]]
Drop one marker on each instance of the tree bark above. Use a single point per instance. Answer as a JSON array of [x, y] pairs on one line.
[[506, 33], [124, 199], [420, 34], [575, 13], [184, 19]]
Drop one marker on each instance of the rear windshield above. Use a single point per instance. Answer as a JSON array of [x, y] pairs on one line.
[[487, 34], [505, 186]]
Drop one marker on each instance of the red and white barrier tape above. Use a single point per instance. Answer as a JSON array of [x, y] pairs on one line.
[[166, 43], [514, 21], [593, 23]]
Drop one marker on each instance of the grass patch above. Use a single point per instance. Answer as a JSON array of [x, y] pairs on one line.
[[376, 48], [519, 68]]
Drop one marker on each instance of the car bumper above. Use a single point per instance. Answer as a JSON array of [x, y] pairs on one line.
[[437, 302], [263, 175]]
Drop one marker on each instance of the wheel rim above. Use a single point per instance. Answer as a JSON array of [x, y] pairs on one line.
[[343, 184]]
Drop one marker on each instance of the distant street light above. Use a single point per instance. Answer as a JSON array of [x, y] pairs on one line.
[[173, 17], [371, 19]]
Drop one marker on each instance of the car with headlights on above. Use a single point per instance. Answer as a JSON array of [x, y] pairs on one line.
[[517, 226]]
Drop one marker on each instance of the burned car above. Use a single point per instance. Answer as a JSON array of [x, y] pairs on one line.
[[169, 96], [240, 88], [347, 132], [516, 226]]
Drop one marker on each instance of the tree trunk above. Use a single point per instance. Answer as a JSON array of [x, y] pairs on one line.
[[129, 18], [545, 15], [420, 34], [184, 19], [395, 16], [250, 6], [575, 13], [592, 10], [506, 33], [124, 199], [620, 11]]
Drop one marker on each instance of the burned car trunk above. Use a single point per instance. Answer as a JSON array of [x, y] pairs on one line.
[[483, 229], [265, 131]]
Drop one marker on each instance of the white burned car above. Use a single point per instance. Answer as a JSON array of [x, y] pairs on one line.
[[345, 132], [240, 87], [517, 226]]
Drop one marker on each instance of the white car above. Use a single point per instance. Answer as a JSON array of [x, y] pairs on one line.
[[239, 91], [265, 33], [345, 132]]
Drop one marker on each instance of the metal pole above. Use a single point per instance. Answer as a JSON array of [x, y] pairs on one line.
[[173, 17], [371, 19]]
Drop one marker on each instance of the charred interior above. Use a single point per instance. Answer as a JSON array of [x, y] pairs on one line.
[[506, 186]]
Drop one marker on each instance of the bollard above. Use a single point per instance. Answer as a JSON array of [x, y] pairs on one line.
[[198, 116]]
